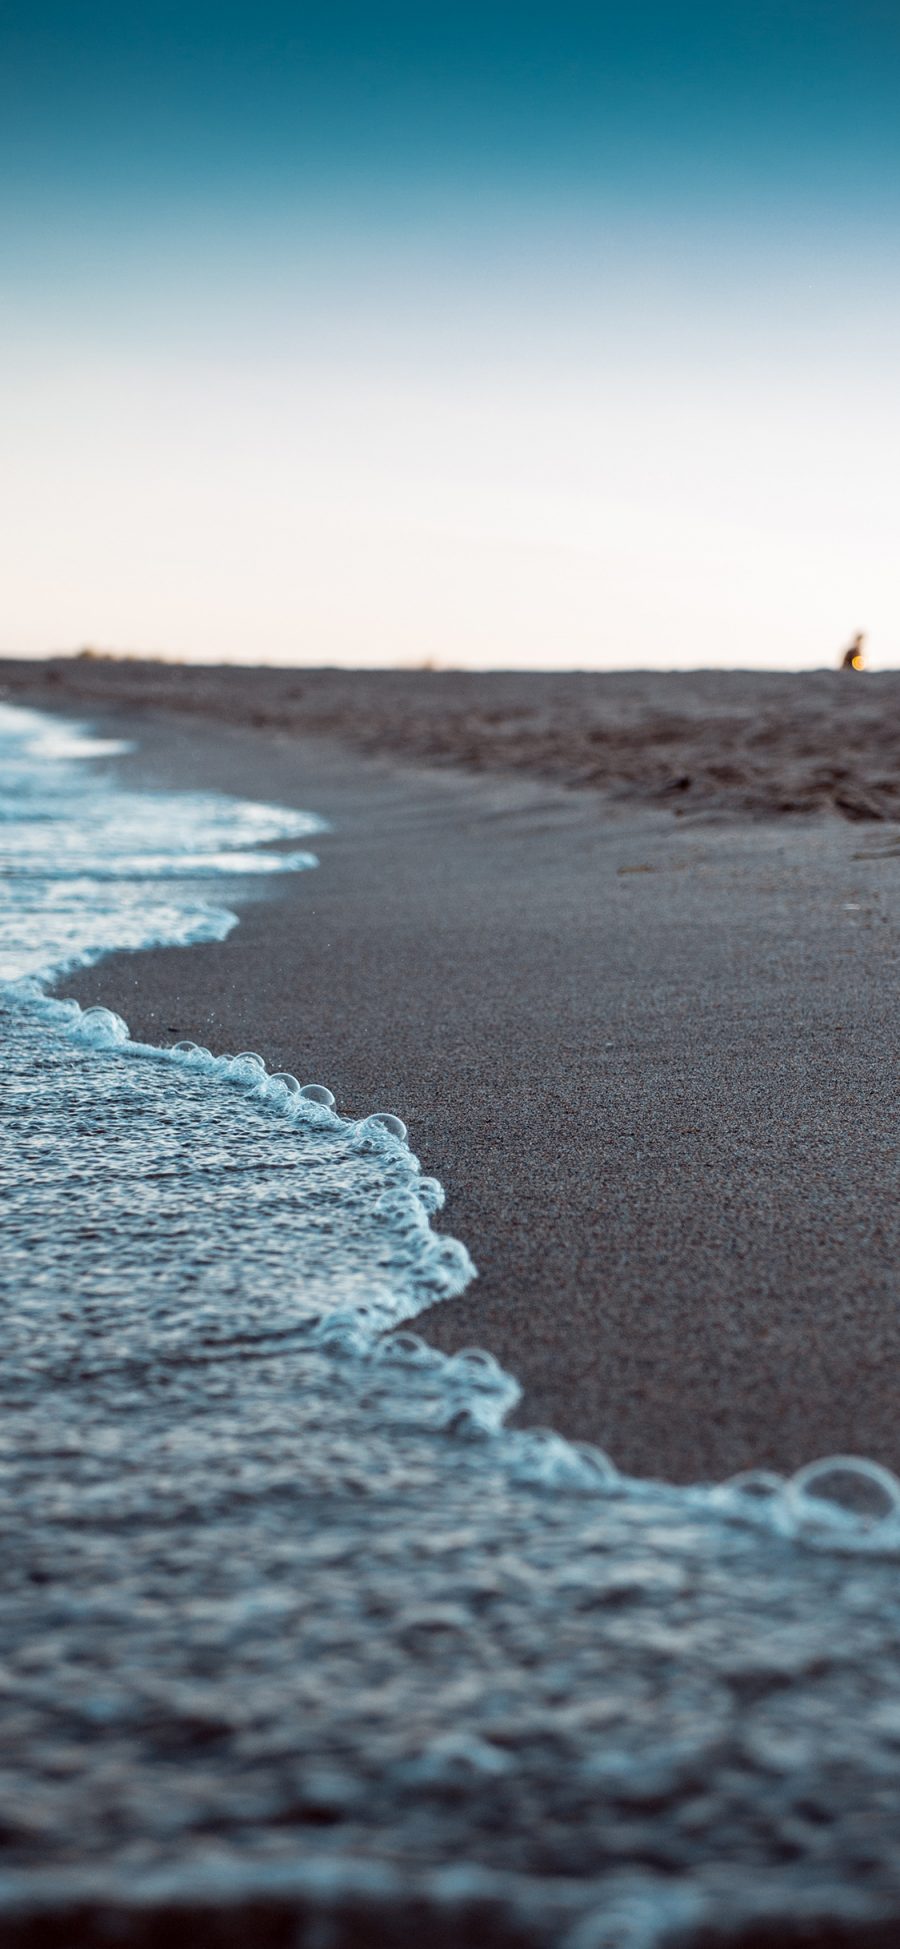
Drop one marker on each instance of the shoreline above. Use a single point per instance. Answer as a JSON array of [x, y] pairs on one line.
[[585, 1011], [443, 1688], [735, 742]]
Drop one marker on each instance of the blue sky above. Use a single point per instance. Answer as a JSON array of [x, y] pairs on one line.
[[498, 334]]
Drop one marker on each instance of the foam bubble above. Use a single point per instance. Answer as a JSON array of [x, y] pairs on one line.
[[760, 1484], [846, 1493], [405, 1349], [100, 1025], [477, 1369], [393, 1125], [380, 1131], [541, 1456]]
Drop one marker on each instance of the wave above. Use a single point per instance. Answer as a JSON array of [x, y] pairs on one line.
[[286, 1593]]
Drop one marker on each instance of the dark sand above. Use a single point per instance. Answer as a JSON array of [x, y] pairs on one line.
[[651, 1058]]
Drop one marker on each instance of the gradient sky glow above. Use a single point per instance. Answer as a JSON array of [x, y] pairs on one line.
[[499, 334]]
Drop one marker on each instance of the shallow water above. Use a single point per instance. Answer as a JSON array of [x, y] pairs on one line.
[[288, 1613]]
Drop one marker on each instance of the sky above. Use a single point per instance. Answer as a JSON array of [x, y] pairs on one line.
[[519, 334]]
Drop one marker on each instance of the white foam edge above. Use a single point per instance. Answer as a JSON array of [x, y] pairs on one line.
[[241, 863], [480, 1392], [206, 924]]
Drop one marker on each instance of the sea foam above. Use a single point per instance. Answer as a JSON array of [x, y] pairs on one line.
[[281, 1574]]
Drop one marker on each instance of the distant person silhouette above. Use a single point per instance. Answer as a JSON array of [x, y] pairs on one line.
[[854, 658]]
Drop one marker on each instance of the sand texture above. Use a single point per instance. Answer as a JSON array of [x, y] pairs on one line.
[[652, 1060], [738, 741]]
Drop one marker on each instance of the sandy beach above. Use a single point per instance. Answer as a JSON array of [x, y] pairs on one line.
[[644, 1031], [449, 1001], [693, 741]]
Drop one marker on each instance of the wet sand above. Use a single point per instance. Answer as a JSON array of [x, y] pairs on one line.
[[652, 1058]]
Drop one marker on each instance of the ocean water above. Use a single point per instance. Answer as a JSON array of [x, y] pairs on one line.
[[292, 1622]]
